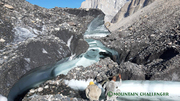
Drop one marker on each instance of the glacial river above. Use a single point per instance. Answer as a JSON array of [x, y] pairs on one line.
[[93, 55]]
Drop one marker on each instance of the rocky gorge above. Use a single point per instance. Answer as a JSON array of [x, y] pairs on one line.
[[147, 43]]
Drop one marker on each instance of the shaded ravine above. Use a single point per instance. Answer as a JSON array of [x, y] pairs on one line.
[[95, 51]]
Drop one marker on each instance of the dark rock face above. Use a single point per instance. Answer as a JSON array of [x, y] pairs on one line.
[[32, 36], [42, 52], [31, 54], [151, 40], [76, 42]]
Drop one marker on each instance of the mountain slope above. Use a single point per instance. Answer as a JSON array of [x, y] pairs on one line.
[[150, 37], [130, 8], [109, 7]]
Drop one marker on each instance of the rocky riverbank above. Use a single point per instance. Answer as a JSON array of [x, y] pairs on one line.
[[99, 72]]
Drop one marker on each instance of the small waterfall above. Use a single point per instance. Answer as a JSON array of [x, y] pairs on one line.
[[69, 41], [96, 28]]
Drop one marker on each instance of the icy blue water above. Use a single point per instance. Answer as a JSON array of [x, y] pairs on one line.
[[96, 28]]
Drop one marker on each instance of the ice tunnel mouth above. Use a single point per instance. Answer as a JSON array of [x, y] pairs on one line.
[[165, 55]]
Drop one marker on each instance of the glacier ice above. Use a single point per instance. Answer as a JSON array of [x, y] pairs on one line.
[[22, 34], [137, 86], [78, 84]]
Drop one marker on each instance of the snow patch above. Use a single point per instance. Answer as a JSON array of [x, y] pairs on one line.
[[2, 98]]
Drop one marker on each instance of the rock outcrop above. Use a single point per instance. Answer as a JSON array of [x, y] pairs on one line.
[[109, 7], [130, 8], [150, 37], [32, 36]]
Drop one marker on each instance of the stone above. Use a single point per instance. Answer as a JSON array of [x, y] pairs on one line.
[[1, 3], [8, 6], [110, 65], [46, 87], [57, 29], [40, 89], [32, 91], [72, 23], [2, 40]]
